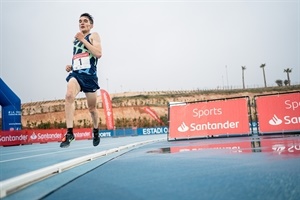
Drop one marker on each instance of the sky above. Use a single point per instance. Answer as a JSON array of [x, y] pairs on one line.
[[150, 45]]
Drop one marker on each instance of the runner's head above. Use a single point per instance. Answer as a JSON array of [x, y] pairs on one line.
[[86, 23], [87, 15]]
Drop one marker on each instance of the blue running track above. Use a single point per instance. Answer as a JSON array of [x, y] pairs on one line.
[[150, 167]]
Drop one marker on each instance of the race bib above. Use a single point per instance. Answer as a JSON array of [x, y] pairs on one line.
[[81, 61]]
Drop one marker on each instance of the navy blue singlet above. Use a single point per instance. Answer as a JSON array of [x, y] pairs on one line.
[[79, 48]]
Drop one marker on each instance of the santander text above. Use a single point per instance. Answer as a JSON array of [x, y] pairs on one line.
[[213, 126], [292, 120]]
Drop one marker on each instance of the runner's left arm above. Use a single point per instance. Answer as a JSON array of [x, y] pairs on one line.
[[95, 48]]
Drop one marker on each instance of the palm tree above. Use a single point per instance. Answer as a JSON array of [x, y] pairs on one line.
[[288, 71], [263, 68], [243, 79]]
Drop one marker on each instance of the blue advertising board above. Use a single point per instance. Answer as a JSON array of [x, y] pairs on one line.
[[11, 108], [134, 132], [11, 118]]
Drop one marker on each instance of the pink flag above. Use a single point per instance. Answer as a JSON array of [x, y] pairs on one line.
[[153, 114], [106, 103]]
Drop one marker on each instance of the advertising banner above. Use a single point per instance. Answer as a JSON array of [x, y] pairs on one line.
[[153, 114], [278, 113], [11, 117], [9, 138], [153, 130], [107, 106], [209, 118], [11, 108], [134, 131]]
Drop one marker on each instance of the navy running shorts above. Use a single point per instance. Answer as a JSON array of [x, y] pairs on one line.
[[87, 83]]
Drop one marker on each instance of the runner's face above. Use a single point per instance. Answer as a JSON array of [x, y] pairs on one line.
[[85, 25]]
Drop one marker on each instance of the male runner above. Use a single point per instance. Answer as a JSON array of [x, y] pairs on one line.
[[83, 76]]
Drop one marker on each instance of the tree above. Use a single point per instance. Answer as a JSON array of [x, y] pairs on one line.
[[279, 82], [263, 68], [243, 79], [286, 82], [288, 71]]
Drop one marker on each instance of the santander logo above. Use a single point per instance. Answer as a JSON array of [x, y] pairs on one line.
[[275, 121], [33, 136], [183, 128]]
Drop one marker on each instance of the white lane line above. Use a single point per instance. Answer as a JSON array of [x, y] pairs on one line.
[[38, 155], [49, 148]]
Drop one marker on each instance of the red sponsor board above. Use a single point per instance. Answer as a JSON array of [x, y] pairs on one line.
[[278, 113], [202, 119], [9, 138]]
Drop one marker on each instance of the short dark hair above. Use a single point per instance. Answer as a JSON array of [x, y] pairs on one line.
[[90, 17]]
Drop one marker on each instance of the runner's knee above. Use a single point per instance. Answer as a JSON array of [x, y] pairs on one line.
[[69, 97]]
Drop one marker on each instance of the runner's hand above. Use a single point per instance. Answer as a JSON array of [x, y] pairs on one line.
[[68, 68], [79, 36]]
